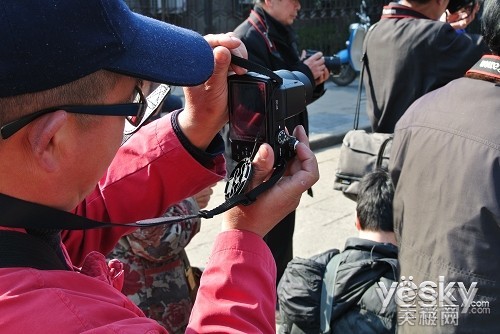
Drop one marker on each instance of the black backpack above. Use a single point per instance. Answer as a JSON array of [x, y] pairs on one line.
[[305, 292]]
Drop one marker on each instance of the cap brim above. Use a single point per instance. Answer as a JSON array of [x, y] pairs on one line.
[[165, 53]]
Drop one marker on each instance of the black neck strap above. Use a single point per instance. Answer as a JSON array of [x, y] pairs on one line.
[[395, 11], [22, 214], [247, 198], [254, 67], [487, 68]]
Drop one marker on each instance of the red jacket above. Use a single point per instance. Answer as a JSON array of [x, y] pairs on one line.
[[141, 183], [238, 287], [56, 301], [89, 300]]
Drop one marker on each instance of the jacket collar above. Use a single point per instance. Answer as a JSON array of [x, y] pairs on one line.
[[276, 30], [385, 249], [398, 11]]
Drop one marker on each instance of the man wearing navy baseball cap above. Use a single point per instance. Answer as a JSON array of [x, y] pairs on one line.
[[72, 74]]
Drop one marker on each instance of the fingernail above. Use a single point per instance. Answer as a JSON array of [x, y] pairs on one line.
[[263, 153]]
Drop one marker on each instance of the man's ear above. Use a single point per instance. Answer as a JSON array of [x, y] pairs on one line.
[[357, 224], [41, 137]]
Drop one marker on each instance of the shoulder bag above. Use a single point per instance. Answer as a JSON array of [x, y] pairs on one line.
[[361, 151]]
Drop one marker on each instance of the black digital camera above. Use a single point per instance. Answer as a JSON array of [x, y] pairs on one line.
[[332, 63], [259, 105], [455, 5]]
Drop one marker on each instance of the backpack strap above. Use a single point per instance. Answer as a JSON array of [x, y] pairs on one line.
[[380, 155], [328, 288], [391, 262], [327, 292], [364, 63], [25, 250]]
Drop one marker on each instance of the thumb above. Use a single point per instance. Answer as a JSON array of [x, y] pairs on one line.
[[263, 165], [222, 58], [303, 55]]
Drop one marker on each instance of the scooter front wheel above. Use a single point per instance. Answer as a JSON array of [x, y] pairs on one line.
[[346, 76]]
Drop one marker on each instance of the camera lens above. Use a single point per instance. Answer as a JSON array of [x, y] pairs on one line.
[[333, 64]]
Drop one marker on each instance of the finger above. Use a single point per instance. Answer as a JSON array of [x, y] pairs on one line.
[[308, 174], [232, 43], [318, 55], [237, 69], [262, 165], [222, 58], [225, 40], [299, 133], [240, 51], [304, 169], [326, 74]]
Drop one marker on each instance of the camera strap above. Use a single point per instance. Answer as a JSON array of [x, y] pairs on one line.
[[18, 213], [254, 67], [260, 26], [240, 198], [487, 68], [395, 11]]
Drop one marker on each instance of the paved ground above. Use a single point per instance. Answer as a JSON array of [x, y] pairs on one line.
[[332, 115]]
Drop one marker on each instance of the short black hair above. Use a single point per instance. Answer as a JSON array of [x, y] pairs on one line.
[[490, 26], [374, 203]]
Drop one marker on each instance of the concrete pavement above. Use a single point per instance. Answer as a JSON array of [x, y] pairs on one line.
[[326, 219], [332, 115]]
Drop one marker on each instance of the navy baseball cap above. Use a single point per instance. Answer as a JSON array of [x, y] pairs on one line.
[[48, 43]]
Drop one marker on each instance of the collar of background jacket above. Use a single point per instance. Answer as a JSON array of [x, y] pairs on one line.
[[487, 68], [397, 11], [275, 31]]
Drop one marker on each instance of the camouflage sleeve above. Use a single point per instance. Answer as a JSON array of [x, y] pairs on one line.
[[160, 243]]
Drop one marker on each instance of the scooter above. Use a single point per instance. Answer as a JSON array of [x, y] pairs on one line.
[[350, 57]]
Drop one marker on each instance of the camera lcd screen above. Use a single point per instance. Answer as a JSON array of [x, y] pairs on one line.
[[248, 102]]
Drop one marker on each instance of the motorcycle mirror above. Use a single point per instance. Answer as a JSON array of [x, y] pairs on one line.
[[357, 47]]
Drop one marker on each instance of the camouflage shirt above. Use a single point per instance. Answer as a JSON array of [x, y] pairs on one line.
[[155, 265]]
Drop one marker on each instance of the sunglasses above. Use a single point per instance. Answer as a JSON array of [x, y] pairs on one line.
[[152, 107], [136, 113]]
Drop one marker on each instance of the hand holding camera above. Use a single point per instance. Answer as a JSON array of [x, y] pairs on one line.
[[332, 63], [460, 13], [273, 205], [205, 111]]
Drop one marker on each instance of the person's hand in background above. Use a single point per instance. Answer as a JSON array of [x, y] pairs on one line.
[[203, 197], [463, 17], [316, 64]]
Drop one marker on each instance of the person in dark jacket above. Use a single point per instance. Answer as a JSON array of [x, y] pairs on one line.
[[409, 52], [445, 164], [271, 42], [366, 262]]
